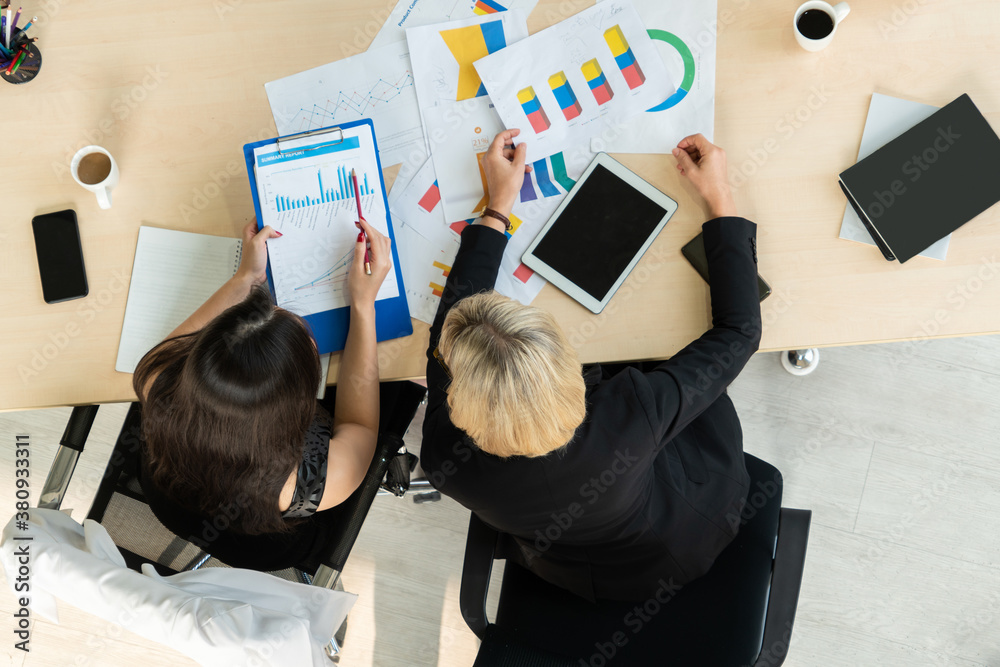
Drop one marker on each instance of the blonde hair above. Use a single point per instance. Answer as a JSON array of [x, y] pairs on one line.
[[517, 387]]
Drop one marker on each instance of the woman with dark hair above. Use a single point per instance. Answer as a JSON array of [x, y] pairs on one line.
[[229, 416]]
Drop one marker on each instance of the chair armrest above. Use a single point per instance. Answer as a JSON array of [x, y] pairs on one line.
[[81, 419], [398, 404], [786, 581], [356, 507], [480, 545]]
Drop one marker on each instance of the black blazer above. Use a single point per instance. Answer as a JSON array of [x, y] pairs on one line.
[[651, 487]]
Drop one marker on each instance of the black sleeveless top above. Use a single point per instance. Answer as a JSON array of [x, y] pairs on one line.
[[311, 479]]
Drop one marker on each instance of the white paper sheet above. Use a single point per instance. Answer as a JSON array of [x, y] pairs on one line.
[[377, 84], [414, 13], [427, 243], [888, 117], [308, 196], [459, 120], [578, 79], [685, 36]]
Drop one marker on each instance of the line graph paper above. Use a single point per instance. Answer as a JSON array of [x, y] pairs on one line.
[[354, 104], [377, 84]]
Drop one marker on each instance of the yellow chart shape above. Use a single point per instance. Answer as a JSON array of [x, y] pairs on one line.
[[468, 45]]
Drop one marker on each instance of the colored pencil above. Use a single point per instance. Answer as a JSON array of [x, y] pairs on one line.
[[20, 60], [13, 62]]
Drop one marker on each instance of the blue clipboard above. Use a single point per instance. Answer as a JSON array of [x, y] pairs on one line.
[[392, 316]]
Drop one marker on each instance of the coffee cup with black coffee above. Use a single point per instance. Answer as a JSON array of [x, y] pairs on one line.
[[816, 23], [95, 169]]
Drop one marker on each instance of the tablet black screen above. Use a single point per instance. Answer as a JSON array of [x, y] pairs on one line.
[[599, 232]]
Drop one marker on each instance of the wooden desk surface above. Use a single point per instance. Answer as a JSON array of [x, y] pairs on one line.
[[174, 94]]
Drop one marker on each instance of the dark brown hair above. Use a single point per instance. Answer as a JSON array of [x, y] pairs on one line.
[[226, 415]]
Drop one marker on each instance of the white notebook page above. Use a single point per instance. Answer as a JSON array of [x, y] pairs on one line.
[[172, 275]]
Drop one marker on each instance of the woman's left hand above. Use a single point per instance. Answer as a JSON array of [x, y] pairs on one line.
[[253, 266]]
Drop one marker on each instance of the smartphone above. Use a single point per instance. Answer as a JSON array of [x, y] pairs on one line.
[[60, 256], [694, 252]]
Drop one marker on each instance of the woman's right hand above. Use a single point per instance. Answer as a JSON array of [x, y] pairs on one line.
[[505, 168], [704, 164], [363, 287]]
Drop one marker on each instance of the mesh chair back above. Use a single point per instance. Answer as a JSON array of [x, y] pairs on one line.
[[120, 505], [149, 527]]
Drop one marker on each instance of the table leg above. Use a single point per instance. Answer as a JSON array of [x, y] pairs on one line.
[[800, 362]]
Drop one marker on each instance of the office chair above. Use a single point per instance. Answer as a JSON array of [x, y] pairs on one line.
[[123, 507], [739, 614]]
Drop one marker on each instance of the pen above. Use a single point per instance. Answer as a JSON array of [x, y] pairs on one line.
[[16, 17], [357, 198]]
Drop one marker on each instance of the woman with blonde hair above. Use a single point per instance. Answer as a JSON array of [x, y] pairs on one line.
[[612, 479]]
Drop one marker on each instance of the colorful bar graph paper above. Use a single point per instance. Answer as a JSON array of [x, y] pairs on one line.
[[533, 110], [623, 57], [431, 198], [468, 45], [565, 96], [598, 83], [546, 184], [483, 7]]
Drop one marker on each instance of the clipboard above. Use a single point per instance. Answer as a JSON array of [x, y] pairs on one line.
[[329, 328]]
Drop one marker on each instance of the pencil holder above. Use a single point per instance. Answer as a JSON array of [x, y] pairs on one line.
[[27, 70]]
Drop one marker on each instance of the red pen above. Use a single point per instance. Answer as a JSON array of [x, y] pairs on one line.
[[357, 198]]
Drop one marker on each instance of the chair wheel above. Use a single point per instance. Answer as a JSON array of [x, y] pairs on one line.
[[429, 497]]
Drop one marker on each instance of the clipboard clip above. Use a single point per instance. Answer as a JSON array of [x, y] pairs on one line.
[[310, 133]]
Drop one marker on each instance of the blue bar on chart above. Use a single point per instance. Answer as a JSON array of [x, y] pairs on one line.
[[344, 191]]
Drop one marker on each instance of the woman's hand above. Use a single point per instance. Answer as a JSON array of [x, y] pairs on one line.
[[253, 266], [505, 170], [704, 164], [363, 287]]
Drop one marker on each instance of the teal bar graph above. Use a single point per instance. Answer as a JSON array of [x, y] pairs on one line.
[[344, 191]]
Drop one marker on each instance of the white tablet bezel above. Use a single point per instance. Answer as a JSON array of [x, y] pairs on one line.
[[564, 283]]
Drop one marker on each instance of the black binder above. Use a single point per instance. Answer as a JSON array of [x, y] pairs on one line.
[[927, 182]]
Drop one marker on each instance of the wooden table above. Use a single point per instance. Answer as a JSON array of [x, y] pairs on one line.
[[174, 92]]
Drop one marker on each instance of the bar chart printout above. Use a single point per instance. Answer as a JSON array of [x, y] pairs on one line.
[[624, 57], [306, 193]]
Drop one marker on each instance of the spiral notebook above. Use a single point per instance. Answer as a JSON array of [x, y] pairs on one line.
[[172, 275]]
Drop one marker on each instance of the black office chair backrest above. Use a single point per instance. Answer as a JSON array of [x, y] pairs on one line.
[[715, 620]]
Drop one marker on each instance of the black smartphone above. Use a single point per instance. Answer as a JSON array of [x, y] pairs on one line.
[[60, 256], [694, 252]]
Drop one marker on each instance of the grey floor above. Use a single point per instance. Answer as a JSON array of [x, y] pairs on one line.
[[894, 448]]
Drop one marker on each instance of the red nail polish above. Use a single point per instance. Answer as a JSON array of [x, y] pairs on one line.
[[361, 237], [277, 233]]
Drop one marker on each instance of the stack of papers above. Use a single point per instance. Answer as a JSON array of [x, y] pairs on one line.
[[443, 77]]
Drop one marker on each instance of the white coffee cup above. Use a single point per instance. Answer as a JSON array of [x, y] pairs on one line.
[[101, 188], [837, 13]]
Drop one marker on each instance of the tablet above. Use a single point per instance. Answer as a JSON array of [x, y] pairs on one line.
[[599, 232]]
